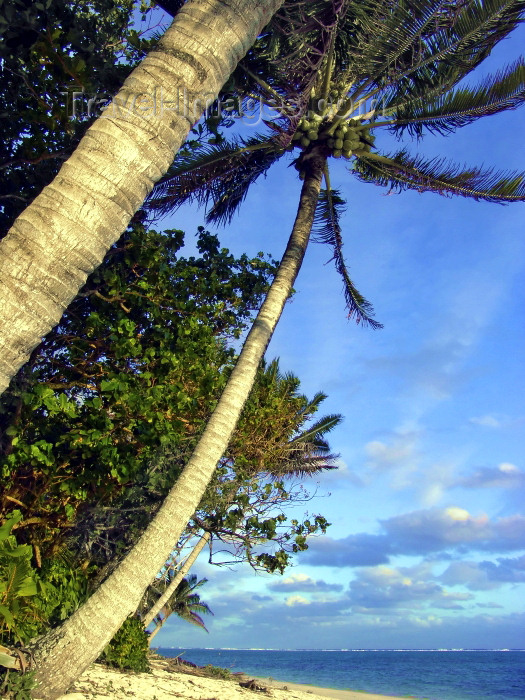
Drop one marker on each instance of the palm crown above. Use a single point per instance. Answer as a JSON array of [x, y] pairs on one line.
[[339, 71], [276, 437], [184, 602]]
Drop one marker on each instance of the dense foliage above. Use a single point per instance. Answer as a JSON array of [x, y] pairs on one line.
[[49, 51], [98, 426], [17, 584], [129, 647], [135, 364]]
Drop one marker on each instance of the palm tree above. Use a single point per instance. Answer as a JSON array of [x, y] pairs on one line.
[[64, 234], [274, 436], [409, 55], [183, 601], [177, 577]]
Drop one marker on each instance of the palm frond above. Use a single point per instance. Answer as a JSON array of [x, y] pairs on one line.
[[327, 229], [435, 43], [220, 174], [311, 406], [496, 93], [299, 465], [402, 171], [303, 459], [384, 36], [299, 38], [283, 65], [315, 432]]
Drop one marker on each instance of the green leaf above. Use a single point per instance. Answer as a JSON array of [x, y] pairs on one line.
[[6, 614], [5, 529], [6, 660], [26, 587], [21, 551]]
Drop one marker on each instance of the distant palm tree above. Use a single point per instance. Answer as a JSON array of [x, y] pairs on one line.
[[183, 601], [274, 435]]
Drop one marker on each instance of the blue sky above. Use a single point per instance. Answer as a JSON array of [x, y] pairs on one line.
[[427, 543]]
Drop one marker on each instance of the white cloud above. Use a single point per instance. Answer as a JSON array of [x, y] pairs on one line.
[[508, 468], [469, 574], [455, 513], [342, 476], [433, 494], [384, 456], [302, 582], [433, 530], [485, 575], [296, 600], [399, 457], [407, 588], [505, 476], [487, 421], [437, 528]]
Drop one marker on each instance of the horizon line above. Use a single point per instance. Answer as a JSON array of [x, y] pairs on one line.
[[441, 649]]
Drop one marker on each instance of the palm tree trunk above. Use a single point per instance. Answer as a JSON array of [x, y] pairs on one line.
[[157, 629], [65, 233], [170, 590], [64, 653]]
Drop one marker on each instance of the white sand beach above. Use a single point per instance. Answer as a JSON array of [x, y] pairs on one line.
[[101, 683]]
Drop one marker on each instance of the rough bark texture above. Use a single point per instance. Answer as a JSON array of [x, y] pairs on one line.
[[170, 590], [63, 654], [64, 234]]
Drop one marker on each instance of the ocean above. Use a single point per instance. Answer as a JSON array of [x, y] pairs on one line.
[[425, 674]]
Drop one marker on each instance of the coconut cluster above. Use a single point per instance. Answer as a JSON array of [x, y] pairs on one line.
[[346, 139]]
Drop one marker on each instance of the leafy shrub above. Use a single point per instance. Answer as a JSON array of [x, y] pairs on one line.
[[129, 647], [17, 583], [218, 672], [16, 686], [62, 588], [31, 600]]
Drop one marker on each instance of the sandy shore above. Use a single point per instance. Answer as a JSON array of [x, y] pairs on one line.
[[101, 683], [315, 692]]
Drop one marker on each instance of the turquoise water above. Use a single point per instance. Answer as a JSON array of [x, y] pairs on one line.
[[435, 675]]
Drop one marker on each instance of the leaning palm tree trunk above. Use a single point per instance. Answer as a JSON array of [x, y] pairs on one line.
[[64, 653], [172, 587], [65, 233], [158, 628]]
